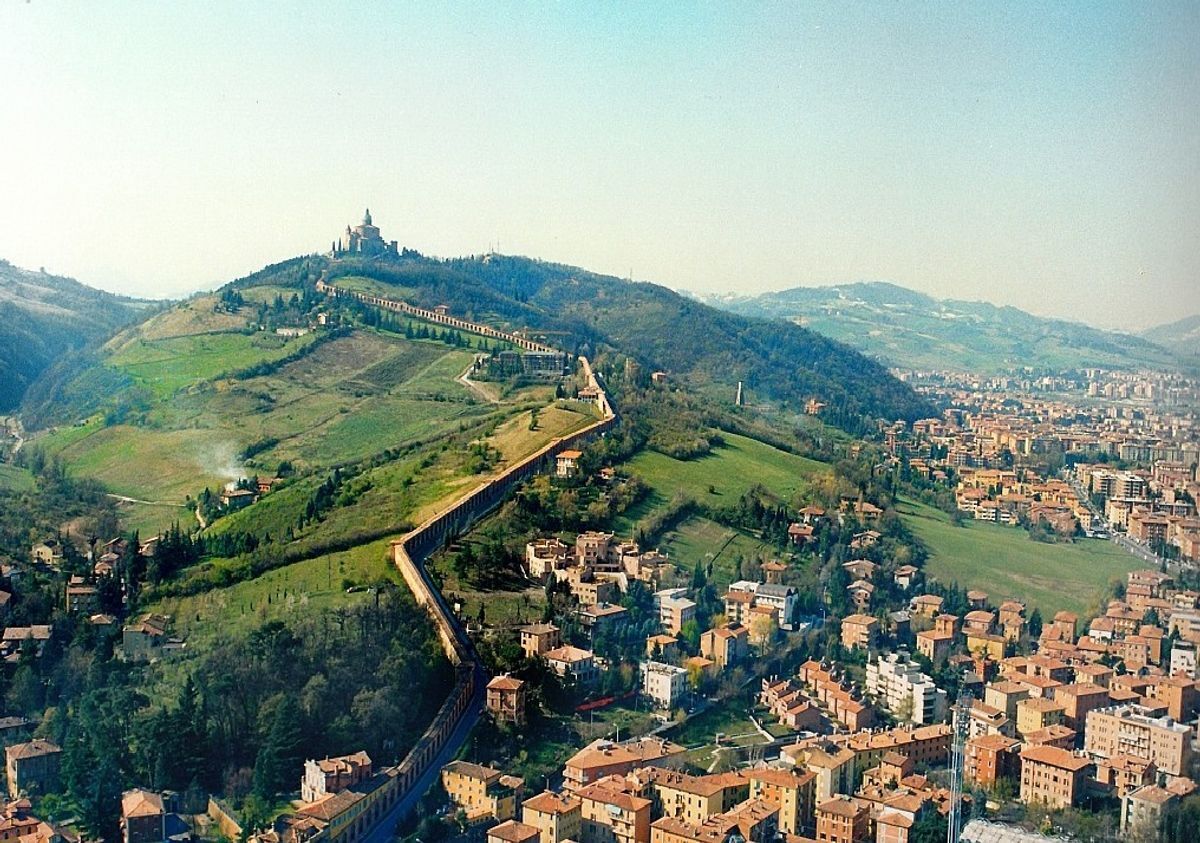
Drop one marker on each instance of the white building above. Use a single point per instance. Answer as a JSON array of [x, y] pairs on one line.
[[1183, 659], [664, 684], [901, 688]]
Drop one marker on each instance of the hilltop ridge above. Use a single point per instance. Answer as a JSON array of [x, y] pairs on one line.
[[909, 329]]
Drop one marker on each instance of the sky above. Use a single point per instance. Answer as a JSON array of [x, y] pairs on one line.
[[1044, 155]]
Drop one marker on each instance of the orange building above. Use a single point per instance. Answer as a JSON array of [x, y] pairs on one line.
[[1051, 776]]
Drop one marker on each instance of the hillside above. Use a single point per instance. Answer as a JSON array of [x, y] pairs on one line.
[[43, 317], [908, 329], [709, 349], [1182, 336]]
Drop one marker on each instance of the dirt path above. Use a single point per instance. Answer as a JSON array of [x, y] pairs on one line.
[[478, 389]]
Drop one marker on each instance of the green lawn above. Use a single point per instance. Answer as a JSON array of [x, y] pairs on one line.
[[729, 717], [729, 470], [1005, 562]]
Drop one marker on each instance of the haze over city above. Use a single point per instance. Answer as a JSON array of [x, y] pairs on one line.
[[1044, 156]]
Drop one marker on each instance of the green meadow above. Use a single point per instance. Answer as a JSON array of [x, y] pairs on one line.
[[720, 477], [1005, 562]]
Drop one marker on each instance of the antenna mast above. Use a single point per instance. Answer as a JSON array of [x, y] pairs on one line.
[[959, 729]]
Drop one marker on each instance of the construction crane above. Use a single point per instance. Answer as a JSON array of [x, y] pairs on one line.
[[959, 728]]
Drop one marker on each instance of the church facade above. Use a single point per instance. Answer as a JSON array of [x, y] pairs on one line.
[[363, 239]]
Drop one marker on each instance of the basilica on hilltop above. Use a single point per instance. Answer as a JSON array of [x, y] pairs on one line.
[[363, 239]]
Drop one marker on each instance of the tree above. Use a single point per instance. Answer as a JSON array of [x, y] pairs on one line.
[[277, 766]]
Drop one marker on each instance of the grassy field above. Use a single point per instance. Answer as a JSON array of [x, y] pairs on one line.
[[169, 365], [515, 440], [307, 586], [701, 540], [1005, 562], [14, 479], [159, 466], [729, 717], [729, 471]]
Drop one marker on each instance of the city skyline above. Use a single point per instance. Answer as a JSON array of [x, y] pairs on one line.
[[1040, 156]]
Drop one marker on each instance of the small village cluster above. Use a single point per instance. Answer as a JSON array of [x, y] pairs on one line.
[[144, 638]]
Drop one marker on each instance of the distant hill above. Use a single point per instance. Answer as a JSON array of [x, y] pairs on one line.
[[908, 329], [1182, 337], [710, 349], [43, 317]]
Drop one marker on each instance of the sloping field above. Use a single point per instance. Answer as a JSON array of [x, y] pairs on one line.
[[1005, 562], [729, 471], [307, 587]]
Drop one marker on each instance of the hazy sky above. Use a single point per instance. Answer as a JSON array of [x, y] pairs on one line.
[[1045, 155]]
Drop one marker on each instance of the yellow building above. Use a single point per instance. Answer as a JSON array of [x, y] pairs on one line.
[[793, 793], [482, 792], [556, 816], [1037, 713]]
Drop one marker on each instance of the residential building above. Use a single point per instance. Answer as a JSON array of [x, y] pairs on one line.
[[989, 758], [573, 664], [566, 463], [32, 767], [842, 819], [663, 684], [859, 631], [544, 556], [482, 792], [1124, 774], [557, 816], [908, 694], [726, 645], [1052, 777], [610, 814], [505, 700], [1143, 811], [663, 648], [832, 766], [146, 638], [694, 798], [143, 817], [332, 775], [1183, 659], [540, 638], [674, 609], [1037, 713], [512, 831], [1131, 730], [603, 758], [935, 645], [82, 596], [602, 617], [792, 793]]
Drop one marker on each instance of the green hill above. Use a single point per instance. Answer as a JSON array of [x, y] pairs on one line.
[[709, 349], [44, 317], [909, 329]]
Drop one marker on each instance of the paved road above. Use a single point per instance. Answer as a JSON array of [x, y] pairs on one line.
[[385, 830]]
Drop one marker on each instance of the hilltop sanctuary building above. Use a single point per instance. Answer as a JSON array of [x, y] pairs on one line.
[[363, 239]]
